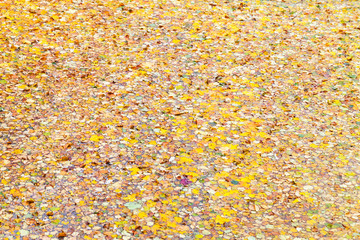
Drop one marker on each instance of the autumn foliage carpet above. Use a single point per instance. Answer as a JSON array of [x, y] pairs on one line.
[[179, 119]]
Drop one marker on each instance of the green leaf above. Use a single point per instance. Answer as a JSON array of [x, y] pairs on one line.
[[54, 209], [351, 75], [56, 221], [132, 205]]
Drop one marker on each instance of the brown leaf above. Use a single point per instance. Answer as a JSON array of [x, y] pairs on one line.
[[62, 235], [108, 233], [176, 113], [30, 201], [68, 145], [64, 158]]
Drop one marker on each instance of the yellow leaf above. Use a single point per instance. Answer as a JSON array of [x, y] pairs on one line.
[[155, 227], [233, 146], [250, 94], [152, 143], [233, 27], [95, 138], [324, 145], [313, 145], [212, 146], [221, 175], [323, 232], [171, 224], [178, 219], [164, 217], [195, 191], [3, 181], [150, 204], [263, 135], [221, 220], [350, 174], [229, 213], [219, 192], [142, 215], [337, 103], [81, 203], [16, 193], [134, 170], [133, 141], [18, 151], [146, 178], [306, 194], [199, 150], [264, 150], [248, 191], [193, 174], [231, 192], [185, 160], [245, 179], [311, 222], [265, 19], [130, 198]]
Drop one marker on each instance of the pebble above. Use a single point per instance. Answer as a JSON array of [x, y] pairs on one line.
[[24, 232], [206, 232]]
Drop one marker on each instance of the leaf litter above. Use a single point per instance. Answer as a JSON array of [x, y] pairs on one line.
[[184, 120]]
